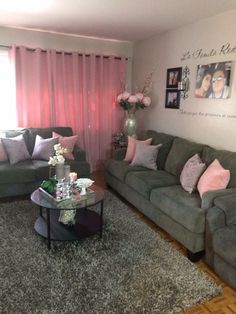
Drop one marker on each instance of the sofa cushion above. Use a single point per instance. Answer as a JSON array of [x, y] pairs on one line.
[[191, 173], [144, 181], [45, 133], [44, 148], [166, 141], [67, 142], [3, 154], [146, 156], [16, 149], [226, 158], [179, 205], [180, 152], [21, 172], [119, 168], [214, 178], [132, 142]]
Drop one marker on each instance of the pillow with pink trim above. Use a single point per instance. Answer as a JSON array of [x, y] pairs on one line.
[[67, 142], [214, 178], [3, 154], [132, 146]]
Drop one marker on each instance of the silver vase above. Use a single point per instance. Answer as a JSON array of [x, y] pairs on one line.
[[130, 125]]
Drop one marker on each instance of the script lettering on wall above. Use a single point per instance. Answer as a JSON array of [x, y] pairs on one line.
[[200, 53]]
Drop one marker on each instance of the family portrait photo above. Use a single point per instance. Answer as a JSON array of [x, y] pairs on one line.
[[173, 77], [213, 80], [172, 99]]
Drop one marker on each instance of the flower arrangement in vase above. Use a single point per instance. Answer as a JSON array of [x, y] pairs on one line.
[[133, 102]]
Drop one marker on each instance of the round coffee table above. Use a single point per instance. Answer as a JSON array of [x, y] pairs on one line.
[[87, 222]]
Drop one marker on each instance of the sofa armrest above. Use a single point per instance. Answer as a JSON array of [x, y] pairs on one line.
[[79, 154], [119, 153], [215, 219], [208, 198], [227, 204]]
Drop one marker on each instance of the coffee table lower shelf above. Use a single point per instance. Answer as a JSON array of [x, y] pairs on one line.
[[87, 224]]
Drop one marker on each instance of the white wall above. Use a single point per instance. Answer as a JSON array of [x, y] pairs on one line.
[[165, 51], [34, 39]]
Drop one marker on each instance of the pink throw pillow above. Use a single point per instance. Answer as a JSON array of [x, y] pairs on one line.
[[214, 178], [132, 146], [3, 155], [67, 142]]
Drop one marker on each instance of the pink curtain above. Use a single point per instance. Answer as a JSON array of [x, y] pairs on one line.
[[71, 89]]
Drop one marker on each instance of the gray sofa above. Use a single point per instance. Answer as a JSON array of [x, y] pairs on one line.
[[25, 176], [159, 195], [221, 238]]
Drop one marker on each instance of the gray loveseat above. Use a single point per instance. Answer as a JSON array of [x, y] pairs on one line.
[[159, 195], [25, 176]]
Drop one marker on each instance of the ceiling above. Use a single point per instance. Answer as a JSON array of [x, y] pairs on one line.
[[128, 20]]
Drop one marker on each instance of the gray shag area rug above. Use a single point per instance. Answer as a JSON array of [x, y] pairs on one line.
[[130, 270]]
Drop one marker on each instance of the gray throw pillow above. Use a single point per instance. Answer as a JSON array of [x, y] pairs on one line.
[[44, 148], [146, 156], [16, 149]]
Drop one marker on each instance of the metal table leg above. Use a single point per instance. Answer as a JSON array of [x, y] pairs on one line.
[[101, 219], [48, 228]]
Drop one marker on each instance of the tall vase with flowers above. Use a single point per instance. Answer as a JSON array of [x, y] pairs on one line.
[[58, 161], [130, 103]]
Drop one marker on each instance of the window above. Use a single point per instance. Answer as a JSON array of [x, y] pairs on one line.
[[7, 93]]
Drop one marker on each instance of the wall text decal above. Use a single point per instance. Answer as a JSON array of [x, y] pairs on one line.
[[206, 114], [225, 49]]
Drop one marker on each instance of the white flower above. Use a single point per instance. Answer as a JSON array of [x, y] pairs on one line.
[[58, 158]]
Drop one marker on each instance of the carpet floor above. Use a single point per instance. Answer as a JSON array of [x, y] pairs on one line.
[[130, 270]]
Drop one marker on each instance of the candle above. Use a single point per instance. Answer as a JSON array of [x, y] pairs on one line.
[[73, 176]]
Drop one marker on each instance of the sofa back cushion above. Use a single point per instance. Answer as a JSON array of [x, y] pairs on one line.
[[180, 152], [226, 158], [166, 141], [45, 133]]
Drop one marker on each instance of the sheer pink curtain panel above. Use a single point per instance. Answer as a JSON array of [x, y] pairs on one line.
[[71, 89]]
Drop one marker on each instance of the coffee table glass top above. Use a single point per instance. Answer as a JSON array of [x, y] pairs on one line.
[[69, 204]]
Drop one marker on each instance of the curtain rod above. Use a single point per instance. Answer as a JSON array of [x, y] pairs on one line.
[[66, 53]]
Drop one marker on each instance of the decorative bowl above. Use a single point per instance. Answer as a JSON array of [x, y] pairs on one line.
[[84, 183]]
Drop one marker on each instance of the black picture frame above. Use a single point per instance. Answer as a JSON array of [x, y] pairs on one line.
[[174, 76], [172, 99]]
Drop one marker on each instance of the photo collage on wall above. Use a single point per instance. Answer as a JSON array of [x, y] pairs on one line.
[[174, 76], [213, 80]]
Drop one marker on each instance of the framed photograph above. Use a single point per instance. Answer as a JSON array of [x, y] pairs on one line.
[[174, 76], [172, 98], [213, 80]]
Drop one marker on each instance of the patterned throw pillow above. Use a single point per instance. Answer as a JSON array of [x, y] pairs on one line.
[[191, 173], [16, 149], [214, 178], [67, 142], [146, 155], [132, 145], [44, 148]]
